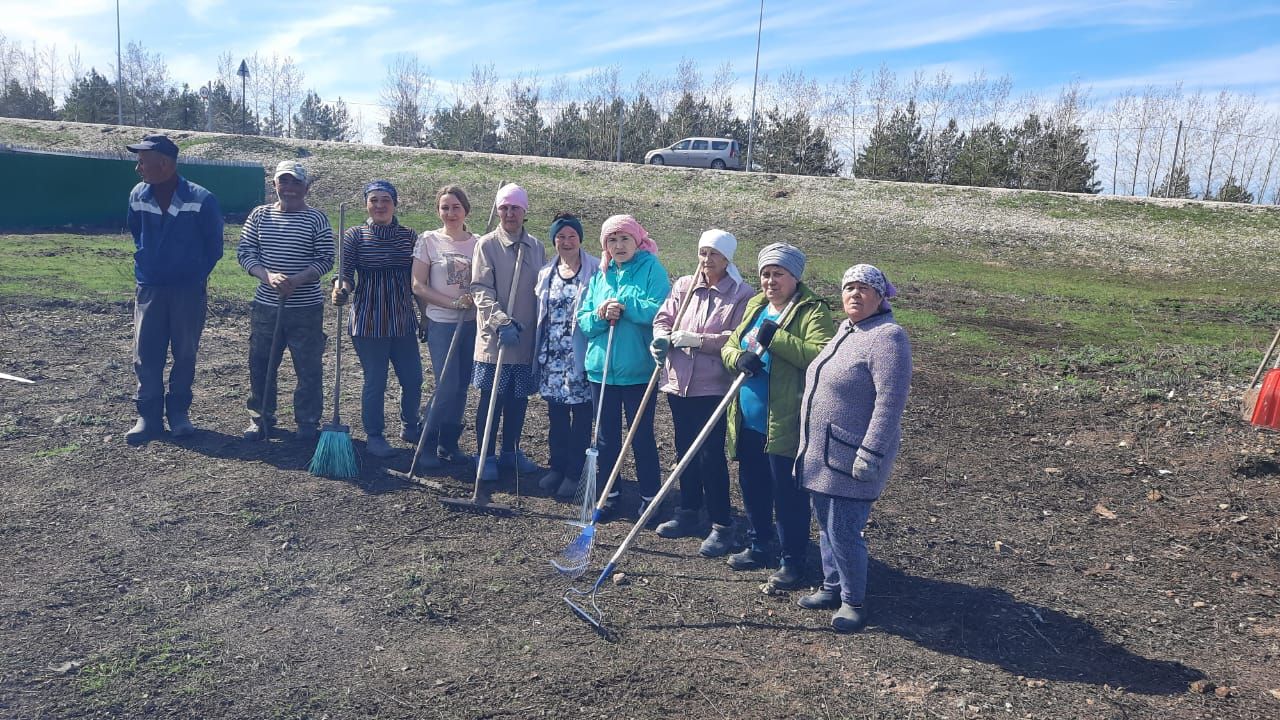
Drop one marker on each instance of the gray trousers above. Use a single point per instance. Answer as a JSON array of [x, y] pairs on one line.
[[844, 552], [302, 332], [166, 318]]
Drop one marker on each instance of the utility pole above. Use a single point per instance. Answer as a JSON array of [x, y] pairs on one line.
[[243, 72], [1168, 191], [621, 107], [751, 129], [119, 72]]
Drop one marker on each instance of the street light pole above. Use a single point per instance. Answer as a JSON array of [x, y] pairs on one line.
[[243, 72], [751, 129], [119, 72]]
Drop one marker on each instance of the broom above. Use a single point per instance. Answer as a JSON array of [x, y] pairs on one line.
[[335, 454], [574, 558]]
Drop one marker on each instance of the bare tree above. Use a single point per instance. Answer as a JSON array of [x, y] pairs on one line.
[[847, 95], [407, 92], [1118, 134]]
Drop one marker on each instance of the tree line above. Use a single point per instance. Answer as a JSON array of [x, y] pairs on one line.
[[268, 102], [1161, 141]]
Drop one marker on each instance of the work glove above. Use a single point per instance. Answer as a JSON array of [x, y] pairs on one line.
[[866, 467], [659, 347], [509, 334], [765, 334], [423, 323], [749, 364], [686, 339]]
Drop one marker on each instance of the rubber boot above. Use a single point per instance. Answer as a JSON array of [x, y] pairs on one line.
[[146, 428], [685, 523], [849, 618], [180, 424]]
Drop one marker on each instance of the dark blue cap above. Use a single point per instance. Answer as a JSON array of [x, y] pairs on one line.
[[160, 143]]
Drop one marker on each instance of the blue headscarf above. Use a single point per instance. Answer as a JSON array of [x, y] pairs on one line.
[[383, 185]]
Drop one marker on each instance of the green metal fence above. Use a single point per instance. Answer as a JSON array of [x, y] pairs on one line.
[[44, 189]]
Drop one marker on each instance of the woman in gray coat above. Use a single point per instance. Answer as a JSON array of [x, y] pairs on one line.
[[850, 428]]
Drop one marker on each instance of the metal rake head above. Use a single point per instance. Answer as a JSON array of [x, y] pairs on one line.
[[585, 496], [593, 617], [576, 556]]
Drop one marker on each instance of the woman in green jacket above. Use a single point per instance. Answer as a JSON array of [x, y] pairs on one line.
[[764, 420]]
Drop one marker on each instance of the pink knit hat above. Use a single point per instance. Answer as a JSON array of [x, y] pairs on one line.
[[630, 226], [512, 194]]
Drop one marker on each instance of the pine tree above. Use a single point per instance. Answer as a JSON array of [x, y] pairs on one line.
[[92, 99], [896, 149], [568, 133], [1233, 191], [983, 158], [788, 144], [19, 102], [1176, 184], [525, 133]]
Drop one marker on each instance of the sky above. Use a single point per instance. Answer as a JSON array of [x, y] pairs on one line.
[[343, 46]]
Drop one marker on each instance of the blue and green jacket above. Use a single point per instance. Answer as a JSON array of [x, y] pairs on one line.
[[640, 284]]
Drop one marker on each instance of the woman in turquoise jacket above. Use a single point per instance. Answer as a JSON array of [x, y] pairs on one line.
[[626, 293]]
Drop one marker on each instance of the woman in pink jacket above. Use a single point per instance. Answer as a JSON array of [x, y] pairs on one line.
[[695, 381]]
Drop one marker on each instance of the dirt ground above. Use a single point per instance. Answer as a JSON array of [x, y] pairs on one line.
[[1032, 558]]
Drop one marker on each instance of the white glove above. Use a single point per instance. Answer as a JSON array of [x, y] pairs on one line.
[[686, 339]]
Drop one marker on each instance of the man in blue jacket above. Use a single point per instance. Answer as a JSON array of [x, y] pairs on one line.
[[177, 238]]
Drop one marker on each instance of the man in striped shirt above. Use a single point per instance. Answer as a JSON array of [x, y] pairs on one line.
[[287, 245]]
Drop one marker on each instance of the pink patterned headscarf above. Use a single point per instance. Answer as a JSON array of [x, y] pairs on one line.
[[630, 226]]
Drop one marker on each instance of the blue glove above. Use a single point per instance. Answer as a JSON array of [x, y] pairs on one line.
[[509, 334]]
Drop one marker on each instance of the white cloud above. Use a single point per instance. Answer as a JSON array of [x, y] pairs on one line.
[[1260, 67]]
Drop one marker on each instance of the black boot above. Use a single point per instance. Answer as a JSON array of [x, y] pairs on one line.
[[447, 446]]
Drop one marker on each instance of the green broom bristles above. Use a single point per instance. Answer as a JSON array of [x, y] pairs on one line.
[[335, 456]]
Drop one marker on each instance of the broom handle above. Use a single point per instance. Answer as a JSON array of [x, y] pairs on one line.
[[493, 209], [685, 461], [337, 338], [497, 375], [1262, 365], [644, 405]]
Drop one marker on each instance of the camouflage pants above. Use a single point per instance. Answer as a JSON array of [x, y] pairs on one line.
[[302, 332]]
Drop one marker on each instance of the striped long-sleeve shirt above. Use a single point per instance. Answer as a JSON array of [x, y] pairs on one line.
[[288, 243], [382, 257]]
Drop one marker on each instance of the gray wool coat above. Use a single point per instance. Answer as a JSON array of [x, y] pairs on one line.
[[854, 394]]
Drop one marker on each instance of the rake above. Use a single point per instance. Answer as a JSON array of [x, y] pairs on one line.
[[335, 454], [596, 619], [576, 556], [428, 417], [481, 498]]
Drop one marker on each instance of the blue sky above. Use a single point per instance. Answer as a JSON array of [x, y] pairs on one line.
[[343, 46]]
